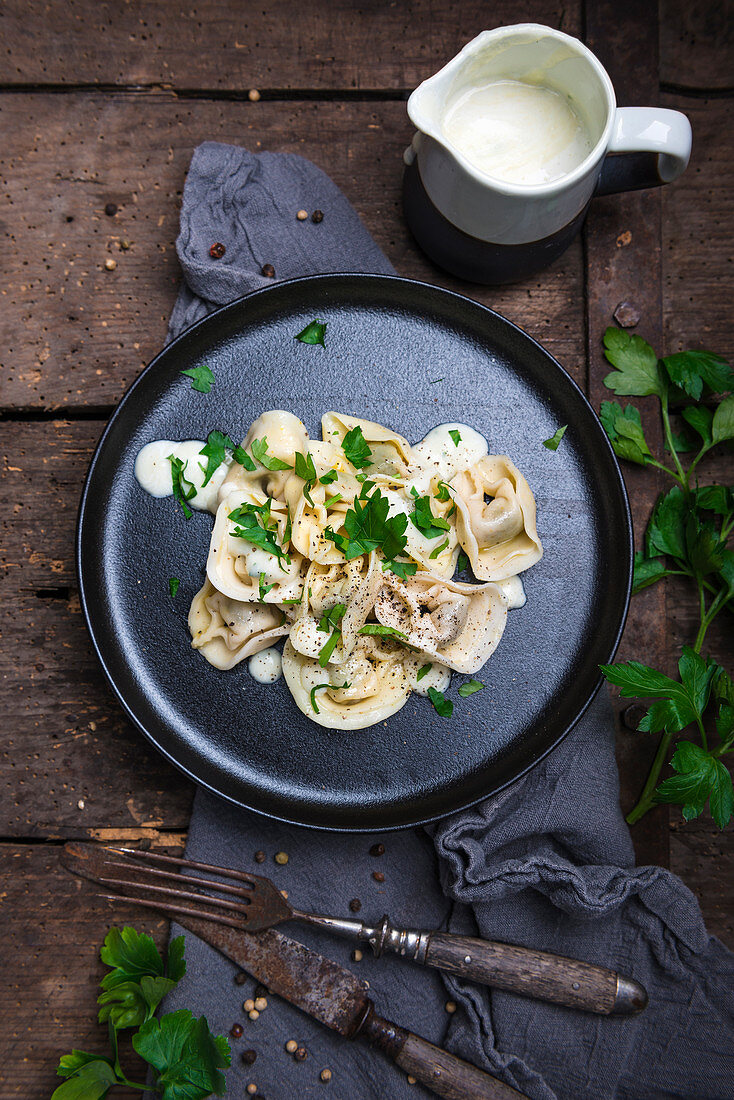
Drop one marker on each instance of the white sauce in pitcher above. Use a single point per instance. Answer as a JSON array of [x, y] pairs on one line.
[[153, 471], [266, 666], [517, 132]]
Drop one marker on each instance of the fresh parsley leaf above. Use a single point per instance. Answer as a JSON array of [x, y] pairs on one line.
[[70, 1064], [691, 370], [313, 333], [666, 532], [463, 563], [555, 439], [443, 492], [259, 449], [624, 428], [183, 489], [331, 618], [455, 435], [336, 687], [329, 501], [173, 583], [402, 569], [240, 455], [704, 548], [423, 671], [130, 1004], [638, 373], [700, 419], [430, 526], [188, 1058], [369, 528], [442, 705], [470, 687], [435, 380], [329, 477], [647, 571], [701, 777], [716, 498], [328, 648], [356, 448], [680, 703], [131, 956], [439, 549], [723, 423], [91, 1081], [202, 378], [379, 629]]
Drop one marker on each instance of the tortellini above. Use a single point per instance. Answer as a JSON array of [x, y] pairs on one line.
[[347, 547]]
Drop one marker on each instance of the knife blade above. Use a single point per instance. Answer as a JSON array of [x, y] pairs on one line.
[[320, 987]]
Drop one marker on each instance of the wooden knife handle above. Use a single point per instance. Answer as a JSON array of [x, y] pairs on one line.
[[536, 974], [439, 1071]]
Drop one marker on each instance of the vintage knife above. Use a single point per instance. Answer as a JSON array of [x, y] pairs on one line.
[[323, 989]]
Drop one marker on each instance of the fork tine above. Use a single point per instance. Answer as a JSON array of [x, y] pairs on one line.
[[168, 891], [182, 910], [156, 857], [222, 887]]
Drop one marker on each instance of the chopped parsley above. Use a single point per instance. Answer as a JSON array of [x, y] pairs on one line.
[[369, 528], [335, 687], [240, 455], [555, 439], [401, 569], [202, 378], [305, 468], [183, 489], [313, 333], [248, 526], [332, 500], [173, 583], [423, 671], [455, 435], [441, 704], [442, 493], [470, 687], [439, 549], [328, 647], [215, 452], [259, 449], [356, 449], [463, 562], [331, 618], [264, 588], [378, 628], [328, 477], [430, 526]]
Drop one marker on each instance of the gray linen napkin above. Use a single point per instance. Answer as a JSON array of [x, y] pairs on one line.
[[547, 863]]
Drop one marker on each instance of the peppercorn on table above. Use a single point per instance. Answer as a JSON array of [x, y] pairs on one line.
[[103, 107]]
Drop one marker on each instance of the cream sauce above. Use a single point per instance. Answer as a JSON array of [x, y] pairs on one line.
[[437, 677], [517, 132], [153, 471], [266, 666], [513, 591], [439, 453]]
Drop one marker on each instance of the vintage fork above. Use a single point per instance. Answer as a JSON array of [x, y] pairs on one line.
[[260, 905]]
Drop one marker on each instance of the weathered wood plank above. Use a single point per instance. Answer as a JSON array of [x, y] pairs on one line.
[[623, 261], [697, 43], [698, 224], [53, 928], [225, 44], [71, 765], [87, 331]]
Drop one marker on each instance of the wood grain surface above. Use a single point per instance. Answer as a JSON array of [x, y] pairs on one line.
[[103, 104]]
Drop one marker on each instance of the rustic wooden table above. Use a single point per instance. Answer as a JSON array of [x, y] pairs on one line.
[[103, 105]]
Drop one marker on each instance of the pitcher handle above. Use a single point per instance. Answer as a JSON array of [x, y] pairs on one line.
[[649, 146]]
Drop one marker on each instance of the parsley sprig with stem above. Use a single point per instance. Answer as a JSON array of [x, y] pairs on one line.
[[369, 527], [183, 489], [688, 535], [186, 1058]]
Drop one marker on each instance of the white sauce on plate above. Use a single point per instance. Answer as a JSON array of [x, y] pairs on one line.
[[437, 677], [153, 471], [514, 592], [266, 666], [439, 450]]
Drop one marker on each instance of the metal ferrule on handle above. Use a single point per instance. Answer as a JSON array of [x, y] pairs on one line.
[[411, 943]]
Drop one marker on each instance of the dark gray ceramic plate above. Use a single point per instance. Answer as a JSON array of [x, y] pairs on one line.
[[408, 355]]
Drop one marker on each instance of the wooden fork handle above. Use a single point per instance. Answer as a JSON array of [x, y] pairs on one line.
[[537, 974], [439, 1071]]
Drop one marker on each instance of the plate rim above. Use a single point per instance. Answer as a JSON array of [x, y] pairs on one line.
[[128, 395]]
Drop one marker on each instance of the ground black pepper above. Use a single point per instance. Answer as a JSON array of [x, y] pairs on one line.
[[217, 250]]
